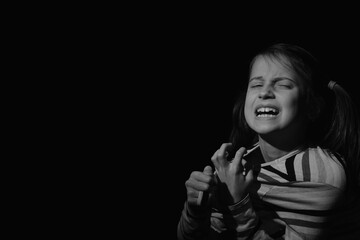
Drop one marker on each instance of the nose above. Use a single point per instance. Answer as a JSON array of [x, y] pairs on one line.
[[266, 92]]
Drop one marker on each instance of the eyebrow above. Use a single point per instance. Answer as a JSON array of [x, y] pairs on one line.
[[275, 79]]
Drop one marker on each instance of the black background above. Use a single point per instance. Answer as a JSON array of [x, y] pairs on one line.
[[155, 102], [131, 100], [193, 73]]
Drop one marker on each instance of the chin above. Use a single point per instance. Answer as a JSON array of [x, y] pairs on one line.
[[264, 130]]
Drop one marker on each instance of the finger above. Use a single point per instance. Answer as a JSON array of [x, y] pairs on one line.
[[197, 176], [244, 166], [203, 196], [223, 151], [237, 159], [208, 171], [223, 154], [193, 193], [243, 162], [197, 185], [214, 159], [249, 176]]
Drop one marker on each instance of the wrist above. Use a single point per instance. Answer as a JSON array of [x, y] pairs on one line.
[[239, 198], [238, 206]]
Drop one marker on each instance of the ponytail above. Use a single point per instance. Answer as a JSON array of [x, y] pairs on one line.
[[344, 133]]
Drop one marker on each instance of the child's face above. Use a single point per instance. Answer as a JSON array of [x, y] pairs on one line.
[[272, 99]]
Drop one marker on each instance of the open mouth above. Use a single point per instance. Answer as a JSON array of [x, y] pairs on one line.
[[266, 112]]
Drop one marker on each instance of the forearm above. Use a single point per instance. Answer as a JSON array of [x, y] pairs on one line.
[[245, 217], [239, 220]]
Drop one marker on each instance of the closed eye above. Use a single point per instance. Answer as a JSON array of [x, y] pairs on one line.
[[284, 83], [256, 82], [284, 86], [255, 85]]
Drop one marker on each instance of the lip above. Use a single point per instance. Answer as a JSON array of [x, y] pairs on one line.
[[266, 106], [270, 117]]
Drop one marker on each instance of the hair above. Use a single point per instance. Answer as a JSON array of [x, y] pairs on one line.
[[333, 118]]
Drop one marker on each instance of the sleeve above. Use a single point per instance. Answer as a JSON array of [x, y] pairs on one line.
[[239, 221], [305, 209], [194, 224]]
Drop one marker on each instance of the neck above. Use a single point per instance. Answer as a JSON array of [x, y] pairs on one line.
[[271, 150]]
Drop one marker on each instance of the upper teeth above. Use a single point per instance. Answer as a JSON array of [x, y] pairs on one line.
[[266, 110]]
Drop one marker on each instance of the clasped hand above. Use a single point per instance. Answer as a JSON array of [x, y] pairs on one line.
[[234, 179], [230, 180]]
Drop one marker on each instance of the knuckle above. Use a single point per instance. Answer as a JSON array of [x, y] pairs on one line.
[[189, 192], [206, 187], [207, 179], [193, 174], [224, 146]]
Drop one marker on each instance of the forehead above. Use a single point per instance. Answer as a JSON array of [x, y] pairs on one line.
[[270, 65]]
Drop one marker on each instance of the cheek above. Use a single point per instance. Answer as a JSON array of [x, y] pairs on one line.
[[292, 107]]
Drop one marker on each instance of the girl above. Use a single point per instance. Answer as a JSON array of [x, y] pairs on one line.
[[291, 168]]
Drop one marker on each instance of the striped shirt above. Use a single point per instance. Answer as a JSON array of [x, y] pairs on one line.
[[298, 191], [297, 196]]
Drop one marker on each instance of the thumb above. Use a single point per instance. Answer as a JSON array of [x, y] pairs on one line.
[[250, 176], [208, 170], [237, 159]]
